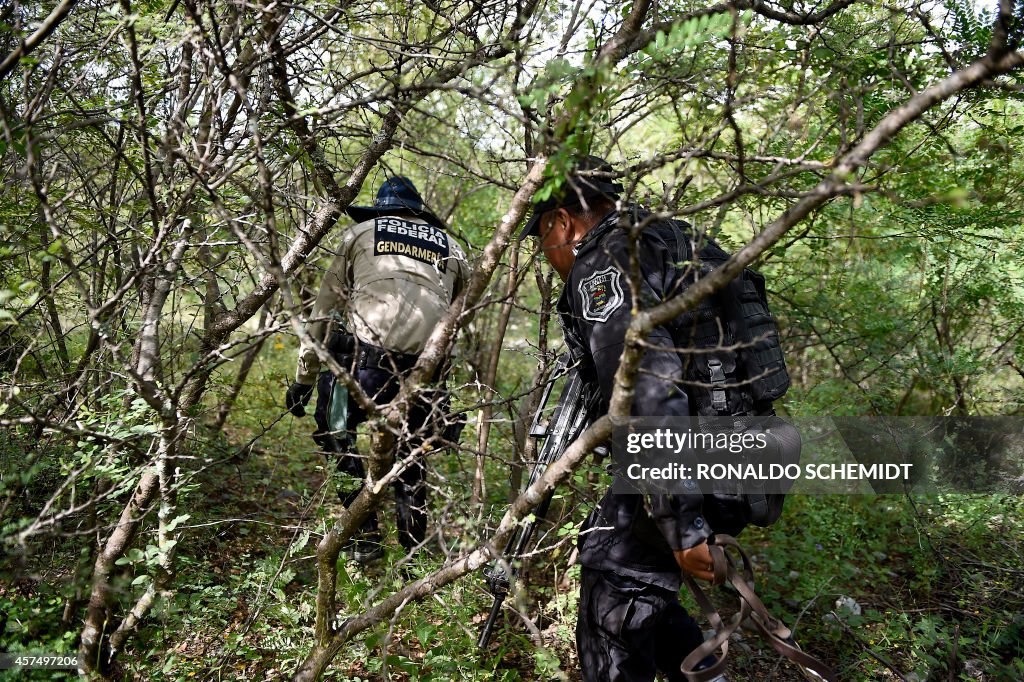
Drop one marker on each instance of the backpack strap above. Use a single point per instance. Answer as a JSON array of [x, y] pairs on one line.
[[770, 628]]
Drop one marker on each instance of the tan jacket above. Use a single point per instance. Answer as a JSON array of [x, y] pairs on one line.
[[392, 281]]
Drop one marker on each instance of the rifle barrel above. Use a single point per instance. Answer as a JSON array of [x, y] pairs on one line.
[[485, 634], [567, 422]]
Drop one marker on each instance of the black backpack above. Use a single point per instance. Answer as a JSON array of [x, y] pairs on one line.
[[733, 366], [732, 355]]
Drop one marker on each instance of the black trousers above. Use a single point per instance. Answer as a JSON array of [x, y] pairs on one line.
[[410, 489], [628, 630]]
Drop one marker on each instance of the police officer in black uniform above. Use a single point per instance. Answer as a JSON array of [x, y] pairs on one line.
[[632, 548]]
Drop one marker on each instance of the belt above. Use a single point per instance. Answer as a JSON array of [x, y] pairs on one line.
[[344, 346], [373, 357]]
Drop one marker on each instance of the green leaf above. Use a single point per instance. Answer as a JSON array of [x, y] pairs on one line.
[[299, 544], [176, 520], [559, 68], [424, 633], [544, 192]]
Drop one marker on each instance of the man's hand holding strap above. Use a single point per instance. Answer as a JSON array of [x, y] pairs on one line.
[[741, 577], [700, 562]]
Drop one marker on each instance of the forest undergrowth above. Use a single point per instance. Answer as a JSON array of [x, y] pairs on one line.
[[883, 587]]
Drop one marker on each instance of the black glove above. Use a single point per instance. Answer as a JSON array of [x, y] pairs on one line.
[[297, 398]]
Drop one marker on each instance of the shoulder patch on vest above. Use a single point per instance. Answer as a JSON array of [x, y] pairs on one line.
[[397, 237], [601, 295]]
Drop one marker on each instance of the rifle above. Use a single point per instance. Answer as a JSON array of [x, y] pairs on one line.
[[572, 415]]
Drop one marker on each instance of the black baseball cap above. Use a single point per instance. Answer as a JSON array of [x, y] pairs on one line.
[[591, 177]]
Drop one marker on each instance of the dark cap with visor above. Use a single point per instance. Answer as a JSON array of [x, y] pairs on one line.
[[592, 177]]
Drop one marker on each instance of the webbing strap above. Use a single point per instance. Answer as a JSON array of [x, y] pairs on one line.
[[770, 628], [718, 399]]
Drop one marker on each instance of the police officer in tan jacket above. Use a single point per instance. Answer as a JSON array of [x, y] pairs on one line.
[[394, 276]]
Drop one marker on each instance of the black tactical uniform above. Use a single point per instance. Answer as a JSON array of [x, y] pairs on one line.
[[595, 311], [630, 620]]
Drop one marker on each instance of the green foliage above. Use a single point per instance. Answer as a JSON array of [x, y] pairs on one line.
[[904, 297], [973, 27], [923, 571], [669, 46]]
